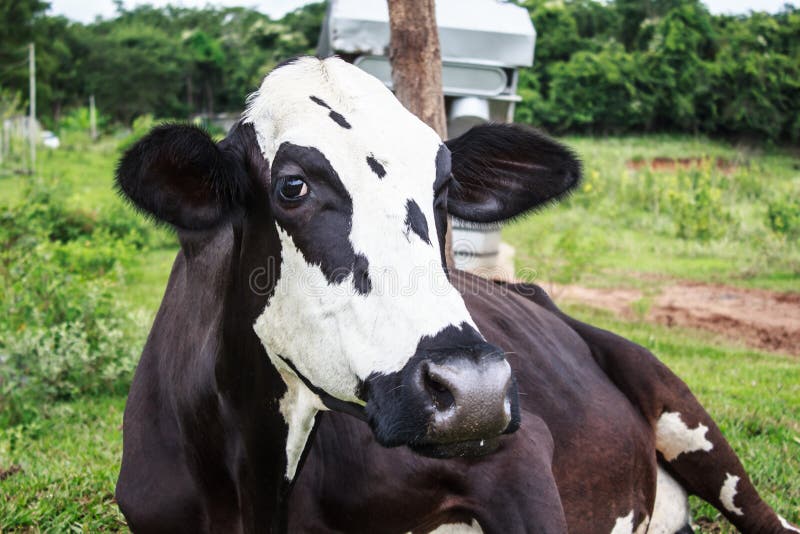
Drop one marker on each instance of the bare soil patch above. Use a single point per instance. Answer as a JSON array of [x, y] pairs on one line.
[[762, 319], [13, 470], [670, 164]]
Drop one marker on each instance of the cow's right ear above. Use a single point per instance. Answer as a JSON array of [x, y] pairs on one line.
[[179, 175]]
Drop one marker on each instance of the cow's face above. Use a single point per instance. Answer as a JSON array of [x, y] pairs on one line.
[[360, 307]]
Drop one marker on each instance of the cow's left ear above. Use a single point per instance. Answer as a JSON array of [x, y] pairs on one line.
[[179, 175], [503, 170]]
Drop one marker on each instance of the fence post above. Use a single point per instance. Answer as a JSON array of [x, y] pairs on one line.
[[32, 119], [92, 118]]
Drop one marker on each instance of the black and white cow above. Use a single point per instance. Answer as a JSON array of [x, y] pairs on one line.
[[311, 277]]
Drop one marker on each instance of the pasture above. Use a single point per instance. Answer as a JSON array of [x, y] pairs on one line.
[[82, 277]]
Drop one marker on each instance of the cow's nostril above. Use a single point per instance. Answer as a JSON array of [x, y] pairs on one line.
[[439, 391]]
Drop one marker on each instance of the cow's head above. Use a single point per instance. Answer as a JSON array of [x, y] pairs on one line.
[[360, 307]]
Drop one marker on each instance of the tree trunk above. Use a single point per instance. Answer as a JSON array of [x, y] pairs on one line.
[[416, 60]]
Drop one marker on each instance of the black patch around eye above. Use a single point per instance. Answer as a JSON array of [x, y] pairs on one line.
[[322, 234], [376, 167], [338, 119], [416, 221], [361, 280]]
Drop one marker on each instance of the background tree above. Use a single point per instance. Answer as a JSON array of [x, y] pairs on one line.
[[601, 67], [416, 59]]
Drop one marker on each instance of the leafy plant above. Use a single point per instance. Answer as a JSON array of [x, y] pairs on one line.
[[783, 216], [63, 332]]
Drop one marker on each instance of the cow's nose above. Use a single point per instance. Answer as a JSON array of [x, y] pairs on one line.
[[469, 398]]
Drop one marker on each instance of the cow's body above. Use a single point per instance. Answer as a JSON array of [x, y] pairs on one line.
[[295, 232], [608, 471], [603, 463]]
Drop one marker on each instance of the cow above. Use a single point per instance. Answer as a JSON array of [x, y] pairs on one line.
[[315, 366]]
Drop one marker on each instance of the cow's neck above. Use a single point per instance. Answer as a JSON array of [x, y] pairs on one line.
[[272, 415]]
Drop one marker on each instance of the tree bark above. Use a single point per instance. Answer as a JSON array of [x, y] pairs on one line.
[[416, 60]]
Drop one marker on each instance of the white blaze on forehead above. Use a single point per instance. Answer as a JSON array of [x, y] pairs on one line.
[[674, 438], [332, 334], [728, 492], [282, 110]]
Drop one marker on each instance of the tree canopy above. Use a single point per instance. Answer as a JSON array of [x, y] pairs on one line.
[[601, 67]]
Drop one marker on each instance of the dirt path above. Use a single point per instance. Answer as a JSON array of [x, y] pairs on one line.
[[758, 318]]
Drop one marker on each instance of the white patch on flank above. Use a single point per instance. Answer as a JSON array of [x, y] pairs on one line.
[[623, 525], [674, 438], [728, 492], [298, 406], [331, 333], [458, 528], [671, 509], [788, 526]]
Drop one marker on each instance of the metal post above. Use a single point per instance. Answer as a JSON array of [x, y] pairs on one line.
[[92, 118], [32, 119]]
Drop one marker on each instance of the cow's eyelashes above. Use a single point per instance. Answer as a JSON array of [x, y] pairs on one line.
[[292, 188]]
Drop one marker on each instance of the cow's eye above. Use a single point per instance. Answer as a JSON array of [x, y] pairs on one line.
[[292, 188]]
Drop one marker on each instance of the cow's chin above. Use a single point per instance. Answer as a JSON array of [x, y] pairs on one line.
[[459, 449]]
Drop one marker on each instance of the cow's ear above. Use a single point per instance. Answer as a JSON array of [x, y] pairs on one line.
[[502, 170], [179, 175]]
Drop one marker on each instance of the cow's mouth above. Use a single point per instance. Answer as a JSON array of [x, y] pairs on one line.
[[460, 449]]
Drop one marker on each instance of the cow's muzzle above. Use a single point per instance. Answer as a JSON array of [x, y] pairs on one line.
[[446, 403]]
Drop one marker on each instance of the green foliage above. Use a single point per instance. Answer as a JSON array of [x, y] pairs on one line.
[[697, 207], [596, 90], [783, 216], [78, 120], [620, 66], [719, 220], [63, 333], [168, 62], [663, 65]]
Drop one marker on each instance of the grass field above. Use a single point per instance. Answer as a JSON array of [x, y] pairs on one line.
[[57, 471], [623, 220]]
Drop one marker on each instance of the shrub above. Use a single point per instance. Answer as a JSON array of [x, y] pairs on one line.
[[668, 66], [63, 333], [78, 120], [43, 364], [696, 205], [783, 216]]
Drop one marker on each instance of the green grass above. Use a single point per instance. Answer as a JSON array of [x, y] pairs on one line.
[[68, 460], [620, 221], [69, 457], [86, 169]]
